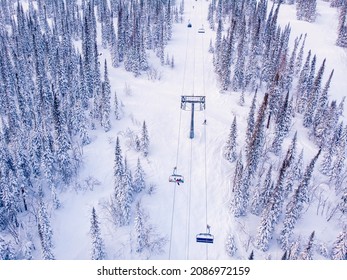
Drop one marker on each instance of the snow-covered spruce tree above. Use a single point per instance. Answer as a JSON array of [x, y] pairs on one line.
[[290, 178], [140, 229], [336, 3], [298, 166], [106, 101], [238, 77], [128, 182], [144, 139], [256, 143], [313, 97], [299, 59], [296, 205], [306, 10], [230, 246], [302, 85], [117, 107], [318, 121], [250, 122], [147, 241], [120, 200], [251, 255], [265, 230], [237, 204], [7, 251], [294, 249], [226, 58], [273, 209], [98, 247], [326, 163], [339, 249], [283, 123], [262, 194], [290, 67], [306, 254], [118, 159], [139, 178], [45, 232], [230, 147], [211, 48], [310, 79], [339, 161], [342, 27], [218, 50]]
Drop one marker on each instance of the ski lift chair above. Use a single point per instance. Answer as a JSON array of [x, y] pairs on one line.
[[175, 178], [205, 237], [189, 25], [201, 30]]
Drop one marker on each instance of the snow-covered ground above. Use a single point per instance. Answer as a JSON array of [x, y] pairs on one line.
[[181, 212]]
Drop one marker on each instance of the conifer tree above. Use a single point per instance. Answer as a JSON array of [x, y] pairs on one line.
[[256, 143], [45, 232], [239, 194], [98, 248], [342, 27], [140, 229], [306, 254], [230, 147], [339, 161], [230, 245], [302, 85], [250, 122], [296, 204], [139, 178], [262, 194], [283, 125], [294, 250], [339, 250], [144, 139], [117, 107], [299, 58], [106, 101], [313, 97]]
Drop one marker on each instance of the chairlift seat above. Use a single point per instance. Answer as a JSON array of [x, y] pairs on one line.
[[201, 30], [189, 25], [204, 238], [174, 178]]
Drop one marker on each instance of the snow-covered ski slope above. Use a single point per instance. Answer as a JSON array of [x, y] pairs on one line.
[[181, 212]]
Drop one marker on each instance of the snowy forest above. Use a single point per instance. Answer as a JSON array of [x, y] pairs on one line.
[[89, 109]]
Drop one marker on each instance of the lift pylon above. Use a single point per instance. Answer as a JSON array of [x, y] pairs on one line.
[[188, 102]]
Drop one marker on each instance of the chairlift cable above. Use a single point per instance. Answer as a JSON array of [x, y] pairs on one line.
[[191, 158], [178, 144], [205, 128], [189, 197]]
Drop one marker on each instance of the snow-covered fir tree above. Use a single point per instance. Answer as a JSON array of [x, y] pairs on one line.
[[106, 101], [45, 232], [339, 249], [98, 247], [342, 27], [296, 205], [230, 245], [139, 178], [306, 10], [230, 146], [144, 139], [307, 253]]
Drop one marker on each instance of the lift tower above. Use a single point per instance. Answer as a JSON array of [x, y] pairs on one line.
[[188, 103]]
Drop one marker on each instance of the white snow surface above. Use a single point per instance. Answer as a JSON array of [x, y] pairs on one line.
[[180, 212]]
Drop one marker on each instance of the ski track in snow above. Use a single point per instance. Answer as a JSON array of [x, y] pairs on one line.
[[158, 103]]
